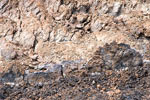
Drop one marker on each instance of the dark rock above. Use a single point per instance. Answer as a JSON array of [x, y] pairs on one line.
[[116, 56], [38, 78], [84, 8], [2, 97], [83, 85], [11, 75]]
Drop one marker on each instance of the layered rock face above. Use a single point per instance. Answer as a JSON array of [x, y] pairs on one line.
[[53, 29], [62, 36]]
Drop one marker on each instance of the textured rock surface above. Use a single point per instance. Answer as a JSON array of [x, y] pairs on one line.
[[92, 81], [7, 50], [116, 56], [42, 36], [31, 23]]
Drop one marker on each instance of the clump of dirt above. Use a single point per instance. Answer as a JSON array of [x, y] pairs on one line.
[[126, 78]]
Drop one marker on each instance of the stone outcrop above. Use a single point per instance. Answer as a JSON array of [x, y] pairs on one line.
[[28, 23], [38, 37]]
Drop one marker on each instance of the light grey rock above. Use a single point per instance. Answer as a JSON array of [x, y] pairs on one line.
[[3, 3], [97, 25], [55, 68], [60, 34], [79, 26], [50, 67], [7, 50], [145, 8], [116, 9], [27, 39], [43, 66], [8, 54], [103, 10]]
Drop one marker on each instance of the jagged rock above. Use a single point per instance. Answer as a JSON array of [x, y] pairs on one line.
[[116, 9], [97, 25], [64, 68], [116, 56], [7, 50], [60, 34], [104, 10], [8, 28]]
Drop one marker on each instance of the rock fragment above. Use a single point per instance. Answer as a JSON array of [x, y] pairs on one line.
[[8, 54], [82, 18], [97, 25], [7, 51], [116, 9]]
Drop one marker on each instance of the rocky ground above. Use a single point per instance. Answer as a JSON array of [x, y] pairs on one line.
[[74, 50]]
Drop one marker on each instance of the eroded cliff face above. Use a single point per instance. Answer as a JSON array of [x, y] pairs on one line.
[[37, 32], [57, 30]]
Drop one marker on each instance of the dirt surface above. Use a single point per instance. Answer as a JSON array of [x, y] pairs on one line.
[[74, 49]]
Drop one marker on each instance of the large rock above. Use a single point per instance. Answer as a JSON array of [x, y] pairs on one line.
[[116, 56]]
